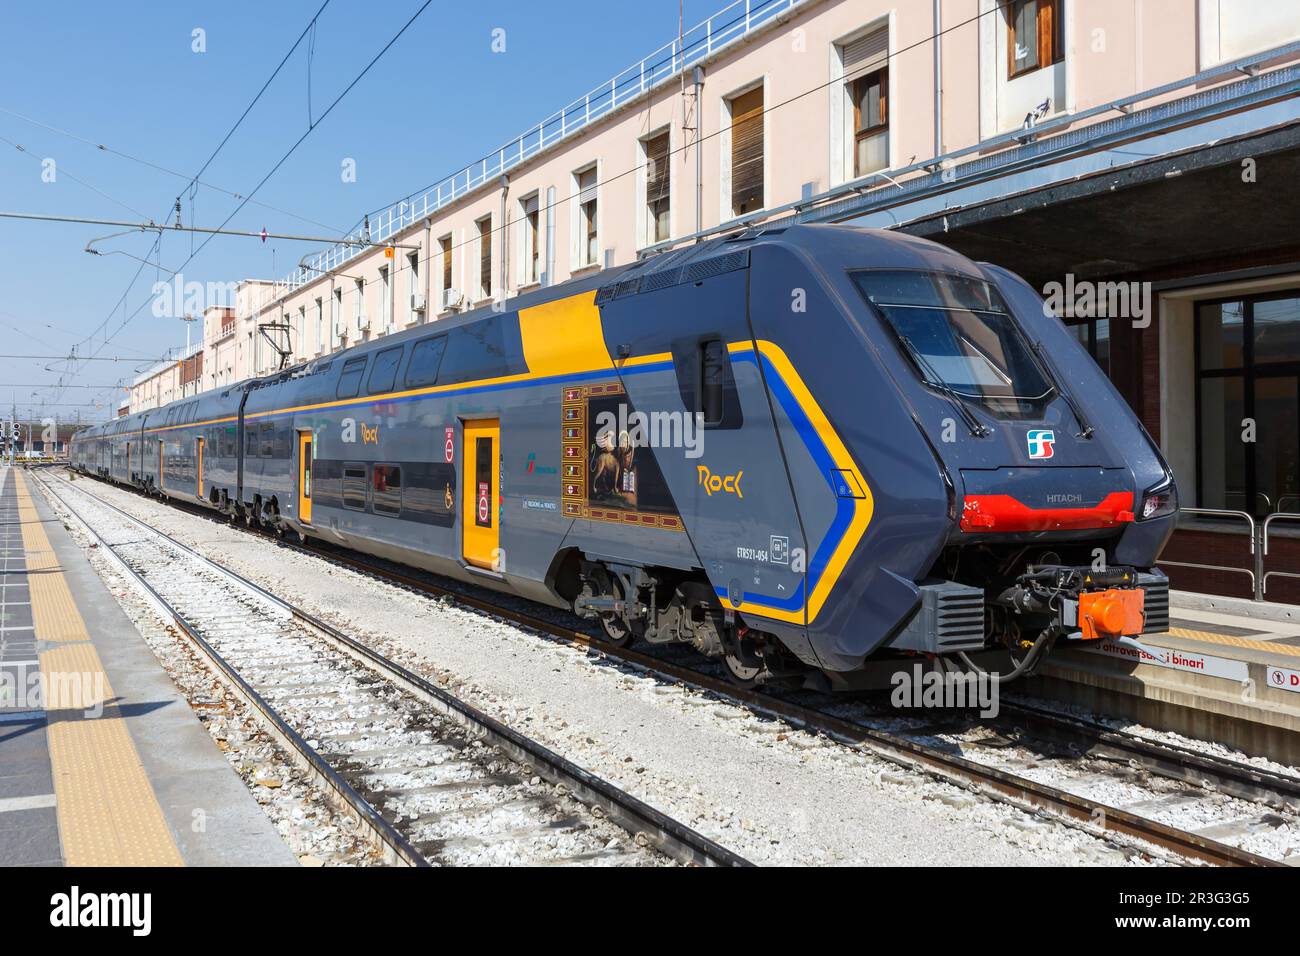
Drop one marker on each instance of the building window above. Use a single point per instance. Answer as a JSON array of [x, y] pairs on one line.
[[412, 284], [360, 312], [1248, 403], [336, 315], [747, 152], [530, 240], [871, 122], [444, 249], [485, 257], [658, 183], [1035, 35], [865, 61], [386, 299], [320, 327], [1094, 336], [588, 224]]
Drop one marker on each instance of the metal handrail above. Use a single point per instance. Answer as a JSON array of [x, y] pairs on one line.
[[1225, 513], [728, 26], [700, 43], [1255, 572], [1276, 516]]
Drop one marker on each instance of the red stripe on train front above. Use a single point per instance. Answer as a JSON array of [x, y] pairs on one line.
[[999, 513]]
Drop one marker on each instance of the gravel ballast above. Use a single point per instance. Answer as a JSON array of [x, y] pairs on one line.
[[772, 793]]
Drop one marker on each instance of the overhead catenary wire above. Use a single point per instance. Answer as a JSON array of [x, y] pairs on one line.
[[156, 247], [329, 109], [849, 76], [191, 181], [508, 223]]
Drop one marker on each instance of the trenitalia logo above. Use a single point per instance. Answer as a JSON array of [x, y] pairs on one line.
[[534, 468], [1040, 442]]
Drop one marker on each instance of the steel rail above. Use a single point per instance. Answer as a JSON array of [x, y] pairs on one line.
[[664, 833], [950, 768]]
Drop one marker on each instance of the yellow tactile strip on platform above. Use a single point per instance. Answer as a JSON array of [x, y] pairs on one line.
[[108, 812], [1231, 640]]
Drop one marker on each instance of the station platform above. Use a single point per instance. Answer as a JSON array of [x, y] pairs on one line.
[[1228, 670], [102, 761]]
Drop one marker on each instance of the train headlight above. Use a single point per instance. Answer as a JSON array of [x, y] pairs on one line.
[[1159, 500]]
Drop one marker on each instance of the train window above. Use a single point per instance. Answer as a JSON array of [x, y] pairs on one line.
[[477, 351], [960, 335], [250, 441], [267, 445], [383, 374], [713, 380], [386, 488], [350, 377], [354, 485], [706, 382], [426, 356]]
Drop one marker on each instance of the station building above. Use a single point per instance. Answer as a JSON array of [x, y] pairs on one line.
[[1136, 160]]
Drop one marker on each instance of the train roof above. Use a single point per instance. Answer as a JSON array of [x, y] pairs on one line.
[[823, 244]]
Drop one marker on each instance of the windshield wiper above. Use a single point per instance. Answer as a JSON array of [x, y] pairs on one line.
[[1085, 427], [977, 428]]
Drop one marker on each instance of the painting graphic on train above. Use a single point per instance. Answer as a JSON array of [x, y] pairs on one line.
[[610, 474]]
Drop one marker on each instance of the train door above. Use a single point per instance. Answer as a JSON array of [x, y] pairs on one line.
[[479, 515], [198, 467], [160, 464], [129, 477], [304, 477]]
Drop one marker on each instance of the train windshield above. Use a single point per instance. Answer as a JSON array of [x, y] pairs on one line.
[[960, 335]]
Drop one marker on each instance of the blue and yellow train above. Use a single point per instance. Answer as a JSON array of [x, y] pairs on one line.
[[793, 449]]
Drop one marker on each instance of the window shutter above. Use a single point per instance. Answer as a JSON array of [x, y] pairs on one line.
[[657, 170], [747, 152], [530, 205], [586, 186], [866, 53]]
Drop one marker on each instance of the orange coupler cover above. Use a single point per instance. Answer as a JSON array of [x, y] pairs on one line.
[[1110, 613]]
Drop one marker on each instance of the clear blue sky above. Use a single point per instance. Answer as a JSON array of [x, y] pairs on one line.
[[125, 75]]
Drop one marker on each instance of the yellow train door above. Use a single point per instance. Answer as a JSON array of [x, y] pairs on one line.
[[198, 471], [304, 477], [479, 516]]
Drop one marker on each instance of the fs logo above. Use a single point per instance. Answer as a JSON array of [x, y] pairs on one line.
[[534, 468], [1040, 441]]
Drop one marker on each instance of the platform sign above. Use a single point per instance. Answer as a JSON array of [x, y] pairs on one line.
[[484, 503], [449, 444], [1283, 679], [1175, 659]]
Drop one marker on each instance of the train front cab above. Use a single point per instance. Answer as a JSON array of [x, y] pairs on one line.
[[989, 502]]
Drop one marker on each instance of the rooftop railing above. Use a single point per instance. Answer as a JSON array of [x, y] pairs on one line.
[[729, 25]]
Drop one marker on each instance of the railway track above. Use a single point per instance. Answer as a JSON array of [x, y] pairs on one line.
[[432, 780], [930, 748]]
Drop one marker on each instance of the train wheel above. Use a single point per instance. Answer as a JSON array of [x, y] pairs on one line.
[[614, 628], [744, 671]]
